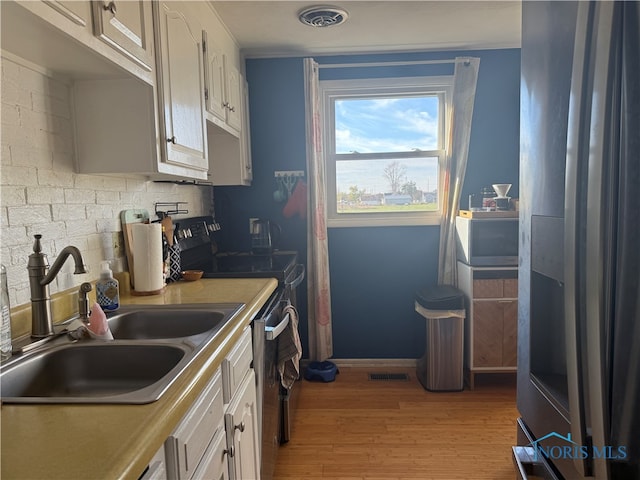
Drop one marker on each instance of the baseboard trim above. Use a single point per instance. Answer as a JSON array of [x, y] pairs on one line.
[[370, 362]]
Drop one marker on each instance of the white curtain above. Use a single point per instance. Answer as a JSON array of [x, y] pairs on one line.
[[318, 289], [464, 92]]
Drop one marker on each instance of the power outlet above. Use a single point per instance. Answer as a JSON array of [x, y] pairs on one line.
[[117, 241], [251, 220]]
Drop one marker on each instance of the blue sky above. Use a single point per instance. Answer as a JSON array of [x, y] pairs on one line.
[[386, 125]]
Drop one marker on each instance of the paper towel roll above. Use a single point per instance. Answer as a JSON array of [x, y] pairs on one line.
[[147, 256]]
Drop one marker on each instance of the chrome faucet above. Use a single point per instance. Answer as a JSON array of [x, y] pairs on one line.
[[39, 279]]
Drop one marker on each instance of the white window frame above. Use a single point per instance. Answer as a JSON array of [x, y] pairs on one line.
[[332, 90]]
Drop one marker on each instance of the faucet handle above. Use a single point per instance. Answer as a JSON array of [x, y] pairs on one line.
[[38, 259], [37, 246]]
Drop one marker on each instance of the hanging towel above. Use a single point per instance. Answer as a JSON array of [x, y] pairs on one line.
[[289, 349]]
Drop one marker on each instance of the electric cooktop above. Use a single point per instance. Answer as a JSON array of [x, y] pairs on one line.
[[198, 252]]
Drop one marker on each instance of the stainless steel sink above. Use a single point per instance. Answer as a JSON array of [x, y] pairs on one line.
[[92, 372], [152, 346], [159, 321]]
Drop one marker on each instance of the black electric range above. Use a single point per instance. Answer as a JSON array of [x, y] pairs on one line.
[[198, 252]]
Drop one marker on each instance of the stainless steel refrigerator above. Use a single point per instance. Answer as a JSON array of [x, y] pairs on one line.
[[579, 299]]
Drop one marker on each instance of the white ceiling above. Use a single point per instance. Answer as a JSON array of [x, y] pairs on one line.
[[267, 28]]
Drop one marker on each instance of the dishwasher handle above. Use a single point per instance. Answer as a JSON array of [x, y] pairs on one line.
[[271, 333]]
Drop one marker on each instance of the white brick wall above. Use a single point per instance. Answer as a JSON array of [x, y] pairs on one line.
[[41, 193]]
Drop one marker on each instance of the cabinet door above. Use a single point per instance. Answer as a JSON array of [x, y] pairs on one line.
[[157, 467], [78, 12], [487, 333], [187, 444], [241, 424], [182, 89], [214, 465], [233, 95], [214, 79], [510, 333], [236, 365], [245, 138], [125, 25]]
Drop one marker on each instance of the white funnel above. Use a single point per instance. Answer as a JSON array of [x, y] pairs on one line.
[[501, 189]]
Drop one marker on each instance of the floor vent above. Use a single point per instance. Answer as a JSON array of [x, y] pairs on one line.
[[388, 376]]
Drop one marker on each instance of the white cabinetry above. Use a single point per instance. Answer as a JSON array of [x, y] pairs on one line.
[[126, 126], [223, 86], [78, 12], [230, 156], [241, 424], [157, 469], [214, 465], [188, 444], [227, 108], [139, 74], [181, 86], [241, 412], [126, 26], [66, 38], [218, 437]]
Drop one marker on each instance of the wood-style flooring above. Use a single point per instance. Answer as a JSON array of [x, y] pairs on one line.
[[357, 429]]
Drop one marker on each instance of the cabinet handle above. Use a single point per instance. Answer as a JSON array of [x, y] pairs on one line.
[[229, 451], [225, 105], [506, 301], [240, 427], [233, 109], [111, 6], [173, 140]]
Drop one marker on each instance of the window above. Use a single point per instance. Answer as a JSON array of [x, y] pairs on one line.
[[385, 150]]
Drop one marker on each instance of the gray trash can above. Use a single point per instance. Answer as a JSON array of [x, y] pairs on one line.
[[441, 367]]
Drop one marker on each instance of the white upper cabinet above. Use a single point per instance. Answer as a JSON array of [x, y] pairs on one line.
[[157, 86], [181, 86], [80, 39], [214, 79], [78, 12], [227, 108], [234, 95], [223, 86], [245, 153], [124, 25]]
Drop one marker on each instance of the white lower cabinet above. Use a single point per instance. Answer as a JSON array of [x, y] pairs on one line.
[[157, 469], [241, 411], [214, 465], [241, 424], [218, 438], [188, 443]]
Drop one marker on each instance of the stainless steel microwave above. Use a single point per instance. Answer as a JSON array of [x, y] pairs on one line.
[[487, 242]]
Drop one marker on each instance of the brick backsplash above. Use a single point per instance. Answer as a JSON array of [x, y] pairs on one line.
[[41, 193]]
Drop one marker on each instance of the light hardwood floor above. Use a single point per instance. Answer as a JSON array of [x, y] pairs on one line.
[[355, 428]]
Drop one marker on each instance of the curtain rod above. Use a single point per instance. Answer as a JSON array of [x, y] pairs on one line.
[[384, 64]]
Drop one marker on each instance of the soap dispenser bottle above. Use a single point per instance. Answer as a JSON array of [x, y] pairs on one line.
[[107, 289]]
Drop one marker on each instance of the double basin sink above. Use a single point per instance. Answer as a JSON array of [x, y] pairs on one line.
[[152, 346]]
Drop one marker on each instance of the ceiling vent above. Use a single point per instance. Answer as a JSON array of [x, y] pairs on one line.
[[323, 16]]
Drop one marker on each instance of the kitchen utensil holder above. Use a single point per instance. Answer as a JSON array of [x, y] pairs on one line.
[[287, 179]]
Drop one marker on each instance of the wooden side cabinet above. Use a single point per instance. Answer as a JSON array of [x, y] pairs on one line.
[[491, 330]]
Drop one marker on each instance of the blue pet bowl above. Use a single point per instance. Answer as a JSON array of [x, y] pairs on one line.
[[321, 371]]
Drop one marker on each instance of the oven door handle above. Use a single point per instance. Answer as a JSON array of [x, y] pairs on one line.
[[299, 271], [271, 333]]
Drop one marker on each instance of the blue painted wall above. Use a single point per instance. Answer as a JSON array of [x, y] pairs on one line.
[[374, 271]]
